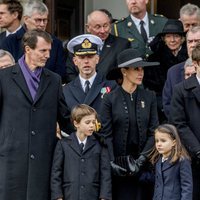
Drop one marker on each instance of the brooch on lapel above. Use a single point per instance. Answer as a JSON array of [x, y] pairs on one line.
[[105, 90], [142, 104]]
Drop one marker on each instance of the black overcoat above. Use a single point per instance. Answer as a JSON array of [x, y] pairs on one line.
[[185, 113], [81, 176], [28, 133], [115, 119]]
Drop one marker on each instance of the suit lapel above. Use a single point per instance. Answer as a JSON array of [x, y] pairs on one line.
[[19, 79], [77, 90], [133, 31], [106, 48], [152, 26], [193, 83], [91, 141], [44, 82], [166, 165], [73, 143]]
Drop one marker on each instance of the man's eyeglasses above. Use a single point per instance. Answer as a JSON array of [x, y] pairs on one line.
[[38, 21]]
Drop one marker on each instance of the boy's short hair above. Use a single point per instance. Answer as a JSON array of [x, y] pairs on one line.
[[196, 53], [80, 111]]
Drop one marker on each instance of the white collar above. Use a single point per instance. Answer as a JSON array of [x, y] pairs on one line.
[[91, 80], [137, 21], [8, 33], [84, 141], [164, 159]]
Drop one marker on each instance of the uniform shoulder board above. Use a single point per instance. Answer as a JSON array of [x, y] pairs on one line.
[[120, 20], [158, 15]]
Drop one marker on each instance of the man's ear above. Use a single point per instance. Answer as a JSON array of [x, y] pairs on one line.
[[74, 60], [87, 27]]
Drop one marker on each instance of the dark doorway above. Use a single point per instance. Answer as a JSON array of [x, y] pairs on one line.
[[65, 18], [171, 8]]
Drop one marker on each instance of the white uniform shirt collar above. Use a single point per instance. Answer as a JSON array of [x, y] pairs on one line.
[[84, 141], [146, 23], [8, 33], [91, 80]]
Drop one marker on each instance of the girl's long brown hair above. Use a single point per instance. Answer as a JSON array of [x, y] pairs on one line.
[[178, 151]]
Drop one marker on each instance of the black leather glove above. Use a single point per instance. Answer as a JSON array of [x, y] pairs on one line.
[[118, 170], [135, 165], [198, 155]]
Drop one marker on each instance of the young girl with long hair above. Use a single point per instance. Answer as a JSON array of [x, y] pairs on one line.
[[173, 176]]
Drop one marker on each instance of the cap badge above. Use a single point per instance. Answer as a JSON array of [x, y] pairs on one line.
[[86, 44]]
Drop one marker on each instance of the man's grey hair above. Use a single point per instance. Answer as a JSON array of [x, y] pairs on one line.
[[188, 63], [6, 53], [193, 30], [35, 6], [190, 9]]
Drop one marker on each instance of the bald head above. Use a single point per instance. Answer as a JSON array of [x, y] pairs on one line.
[[98, 23]]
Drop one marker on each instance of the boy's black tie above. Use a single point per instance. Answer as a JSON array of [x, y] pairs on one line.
[[81, 146]]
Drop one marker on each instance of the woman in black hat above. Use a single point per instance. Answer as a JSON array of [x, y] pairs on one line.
[[129, 117], [169, 49]]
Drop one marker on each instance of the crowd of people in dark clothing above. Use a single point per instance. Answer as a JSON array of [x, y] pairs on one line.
[[109, 114]]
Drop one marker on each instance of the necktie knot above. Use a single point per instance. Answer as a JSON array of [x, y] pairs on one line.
[[143, 31], [87, 86]]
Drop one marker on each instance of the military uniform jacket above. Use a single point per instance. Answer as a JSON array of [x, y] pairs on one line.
[[127, 29], [28, 133], [81, 176], [115, 120], [75, 95]]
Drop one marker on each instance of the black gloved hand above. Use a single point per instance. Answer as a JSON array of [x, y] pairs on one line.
[[135, 165], [198, 155], [118, 170]]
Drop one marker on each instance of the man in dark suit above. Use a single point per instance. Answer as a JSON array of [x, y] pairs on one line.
[[139, 27], [10, 17], [99, 24], [185, 114], [176, 73], [36, 17], [85, 49], [31, 102]]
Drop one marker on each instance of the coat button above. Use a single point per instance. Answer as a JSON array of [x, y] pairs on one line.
[[32, 157], [34, 109], [33, 133], [82, 186]]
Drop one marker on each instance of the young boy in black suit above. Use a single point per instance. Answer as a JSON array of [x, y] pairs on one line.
[[81, 167]]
